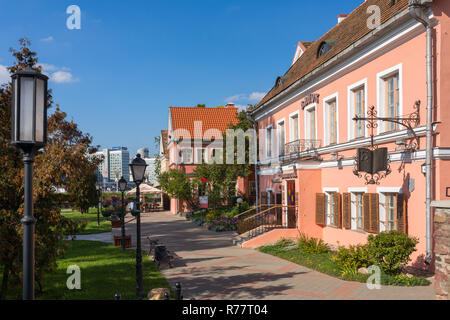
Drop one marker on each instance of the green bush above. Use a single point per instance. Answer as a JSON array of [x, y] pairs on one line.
[[283, 242], [312, 245], [391, 250], [235, 211], [352, 258]]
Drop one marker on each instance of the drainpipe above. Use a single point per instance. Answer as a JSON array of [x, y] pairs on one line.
[[255, 127], [176, 165], [417, 10]]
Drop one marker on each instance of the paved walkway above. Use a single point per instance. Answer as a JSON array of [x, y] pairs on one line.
[[210, 267]]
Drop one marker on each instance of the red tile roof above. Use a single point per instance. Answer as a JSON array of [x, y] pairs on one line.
[[342, 35], [211, 118]]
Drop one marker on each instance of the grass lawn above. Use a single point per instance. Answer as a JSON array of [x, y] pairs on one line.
[[91, 218], [323, 263], [105, 270]]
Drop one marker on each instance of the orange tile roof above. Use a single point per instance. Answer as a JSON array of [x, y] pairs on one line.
[[211, 118], [350, 30]]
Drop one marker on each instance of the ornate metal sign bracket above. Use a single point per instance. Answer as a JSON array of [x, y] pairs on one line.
[[409, 122], [374, 162]]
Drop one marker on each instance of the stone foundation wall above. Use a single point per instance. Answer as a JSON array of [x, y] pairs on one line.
[[441, 237]]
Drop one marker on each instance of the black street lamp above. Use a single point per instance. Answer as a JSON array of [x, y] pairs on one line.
[[29, 134], [122, 188], [138, 166], [99, 202]]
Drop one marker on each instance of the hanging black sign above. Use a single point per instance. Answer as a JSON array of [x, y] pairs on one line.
[[372, 161]]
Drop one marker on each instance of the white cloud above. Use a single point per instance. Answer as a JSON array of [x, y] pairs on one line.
[[256, 96], [4, 75], [236, 97], [62, 77], [48, 39]]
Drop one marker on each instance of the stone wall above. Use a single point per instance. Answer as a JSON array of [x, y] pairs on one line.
[[441, 237]]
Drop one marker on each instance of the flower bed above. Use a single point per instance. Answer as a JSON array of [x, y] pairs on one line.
[[214, 219]]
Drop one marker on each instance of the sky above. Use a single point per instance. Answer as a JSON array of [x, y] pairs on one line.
[[130, 60]]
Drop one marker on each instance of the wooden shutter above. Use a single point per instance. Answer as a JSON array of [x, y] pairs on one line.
[[337, 210], [272, 198], [374, 213], [401, 213], [346, 210], [320, 209]]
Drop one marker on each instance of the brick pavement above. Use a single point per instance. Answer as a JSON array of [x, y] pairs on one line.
[[210, 267]]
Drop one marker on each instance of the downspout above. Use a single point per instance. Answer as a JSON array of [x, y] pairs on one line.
[[176, 165], [255, 127], [417, 10]]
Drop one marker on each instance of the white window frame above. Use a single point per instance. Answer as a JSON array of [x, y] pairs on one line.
[[182, 156], [327, 191], [306, 110], [203, 155], [353, 191], [381, 76], [351, 107], [279, 148], [326, 104], [269, 142], [291, 127], [382, 199]]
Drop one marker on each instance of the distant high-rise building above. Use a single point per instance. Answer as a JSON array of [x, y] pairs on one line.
[[115, 165], [143, 152]]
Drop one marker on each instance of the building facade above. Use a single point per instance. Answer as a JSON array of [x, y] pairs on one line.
[[311, 139], [195, 136]]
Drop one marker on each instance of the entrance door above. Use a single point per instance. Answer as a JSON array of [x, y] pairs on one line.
[[291, 202]]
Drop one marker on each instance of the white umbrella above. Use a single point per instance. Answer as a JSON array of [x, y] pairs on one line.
[[144, 189]]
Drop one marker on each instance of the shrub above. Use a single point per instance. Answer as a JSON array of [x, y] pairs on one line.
[[283, 242], [211, 216], [352, 258], [391, 250], [312, 245]]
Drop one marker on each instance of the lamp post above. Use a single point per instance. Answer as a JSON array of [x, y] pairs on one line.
[[122, 187], [239, 201], [138, 166], [99, 195], [29, 134]]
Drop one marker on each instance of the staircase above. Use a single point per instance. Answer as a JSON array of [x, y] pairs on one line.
[[258, 221]]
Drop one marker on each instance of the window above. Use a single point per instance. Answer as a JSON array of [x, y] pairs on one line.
[[359, 211], [294, 133], [310, 123], [390, 207], [199, 155], [186, 156], [331, 120], [360, 111], [269, 142], [391, 89], [389, 97], [323, 48], [281, 137], [330, 208]]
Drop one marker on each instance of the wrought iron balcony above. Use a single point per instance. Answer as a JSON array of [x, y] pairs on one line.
[[300, 148]]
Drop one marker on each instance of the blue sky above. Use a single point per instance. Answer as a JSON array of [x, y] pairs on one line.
[[130, 60]]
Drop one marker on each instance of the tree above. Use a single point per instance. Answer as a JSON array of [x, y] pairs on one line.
[[64, 156], [177, 184], [222, 176]]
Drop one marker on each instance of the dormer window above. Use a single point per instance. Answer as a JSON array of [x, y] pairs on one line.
[[323, 48]]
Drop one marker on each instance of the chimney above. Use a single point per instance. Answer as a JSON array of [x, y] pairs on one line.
[[230, 105], [342, 17]]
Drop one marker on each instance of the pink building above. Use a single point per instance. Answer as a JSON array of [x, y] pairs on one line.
[[311, 140], [194, 137]]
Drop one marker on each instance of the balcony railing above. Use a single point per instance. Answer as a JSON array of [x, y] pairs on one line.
[[295, 148]]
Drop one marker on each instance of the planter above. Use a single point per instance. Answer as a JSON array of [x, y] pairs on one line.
[[116, 223], [106, 214], [118, 241]]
